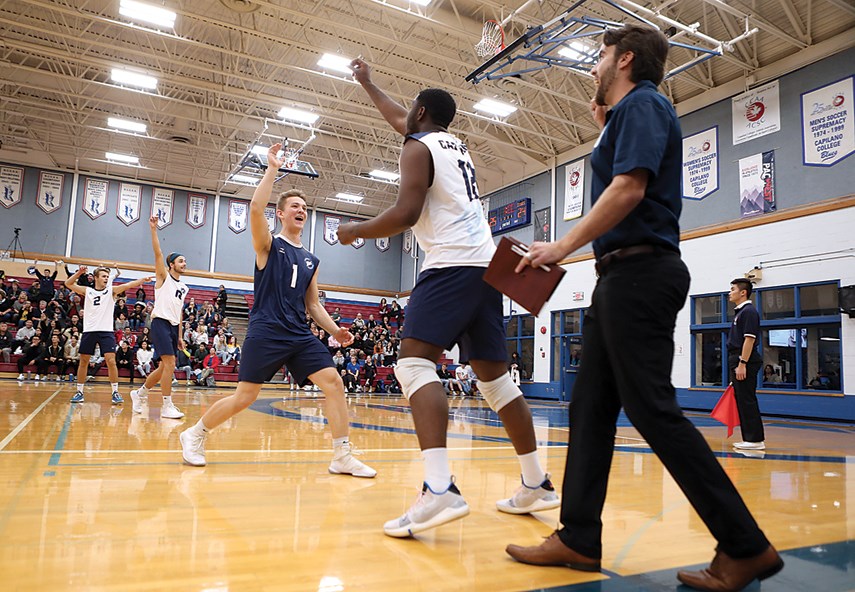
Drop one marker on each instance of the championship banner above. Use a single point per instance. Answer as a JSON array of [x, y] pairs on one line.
[[130, 200], [382, 244], [828, 128], [162, 201], [49, 197], [270, 216], [756, 113], [358, 243], [12, 180], [197, 207], [95, 198], [574, 189], [407, 243], [238, 215], [757, 184], [331, 224], [700, 164], [485, 205], [541, 225]]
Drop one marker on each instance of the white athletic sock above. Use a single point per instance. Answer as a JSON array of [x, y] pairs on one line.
[[437, 470], [532, 473], [79, 387], [142, 391], [338, 442], [200, 428], [167, 399], [115, 386]]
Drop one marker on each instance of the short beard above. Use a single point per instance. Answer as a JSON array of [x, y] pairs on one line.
[[606, 80]]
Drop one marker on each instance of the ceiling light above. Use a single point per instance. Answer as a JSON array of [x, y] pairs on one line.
[[578, 52], [496, 108], [127, 125], [421, 2], [260, 150], [140, 11], [123, 76], [829, 339], [245, 179], [385, 175], [298, 115], [335, 63], [348, 197], [123, 158]]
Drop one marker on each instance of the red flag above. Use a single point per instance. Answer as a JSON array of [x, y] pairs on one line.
[[726, 411]]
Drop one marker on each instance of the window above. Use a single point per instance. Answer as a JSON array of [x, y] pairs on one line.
[[566, 340], [799, 341], [519, 332]]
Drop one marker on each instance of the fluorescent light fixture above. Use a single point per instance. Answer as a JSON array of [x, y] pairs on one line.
[[496, 108], [141, 11], [127, 125], [298, 115], [336, 63], [829, 339], [385, 175], [348, 197], [578, 52], [421, 2], [245, 179], [123, 158], [260, 150], [123, 76]]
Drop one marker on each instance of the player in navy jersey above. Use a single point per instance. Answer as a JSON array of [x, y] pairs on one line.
[[286, 288], [450, 304]]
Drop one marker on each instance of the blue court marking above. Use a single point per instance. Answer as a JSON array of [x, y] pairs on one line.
[[828, 567], [63, 434], [49, 474]]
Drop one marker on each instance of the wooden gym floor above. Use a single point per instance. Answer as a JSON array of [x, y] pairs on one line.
[[96, 498]]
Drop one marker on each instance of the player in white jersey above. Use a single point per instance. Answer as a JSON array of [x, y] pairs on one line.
[[98, 324], [450, 304], [169, 294]]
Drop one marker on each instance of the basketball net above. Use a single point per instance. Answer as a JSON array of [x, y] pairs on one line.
[[291, 155], [492, 40]]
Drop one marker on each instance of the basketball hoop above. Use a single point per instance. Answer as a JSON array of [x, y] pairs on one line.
[[291, 156], [492, 39]]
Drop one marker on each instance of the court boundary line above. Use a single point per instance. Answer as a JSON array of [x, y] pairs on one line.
[[20, 427]]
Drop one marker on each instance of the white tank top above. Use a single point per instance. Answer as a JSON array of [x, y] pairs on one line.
[[168, 300], [452, 229], [98, 309]]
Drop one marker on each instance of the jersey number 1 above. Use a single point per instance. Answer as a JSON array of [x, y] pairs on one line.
[[294, 276], [468, 178]]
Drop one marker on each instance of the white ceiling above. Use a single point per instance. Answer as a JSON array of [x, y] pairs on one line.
[[231, 64]]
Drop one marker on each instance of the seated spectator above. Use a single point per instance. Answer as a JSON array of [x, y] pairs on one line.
[[219, 341], [371, 322], [75, 307], [23, 336], [32, 351], [333, 344], [184, 362], [52, 358], [71, 353], [200, 337], [339, 361], [209, 365], [445, 376], [336, 315], [199, 355], [145, 335], [820, 381], [226, 327], [770, 375], [370, 373], [149, 307], [6, 306], [121, 323], [461, 373], [130, 338], [396, 312], [377, 354], [190, 308], [358, 323], [125, 358], [144, 359], [136, 319], [95, 362], [348, 380], [5, 342], [232, 352], [353, 367], [120, 308]]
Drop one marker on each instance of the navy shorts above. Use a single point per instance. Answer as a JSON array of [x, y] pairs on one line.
[[105, 339], [262, 357], [164, 337], [455, 306]]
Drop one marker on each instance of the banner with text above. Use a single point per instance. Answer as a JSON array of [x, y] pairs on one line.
[[407, 243], [49, 197], [757, 184], [828, 127], [162, 203], [197, 208], [12, 181], [331, 224], [130, 199], [574, 189], [542, 224], [700, 164], [382, 244], [237, 215], [95, 198], [756, 113]]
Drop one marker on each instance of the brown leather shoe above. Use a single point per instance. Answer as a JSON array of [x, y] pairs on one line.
[[726, 574], [553, 552]]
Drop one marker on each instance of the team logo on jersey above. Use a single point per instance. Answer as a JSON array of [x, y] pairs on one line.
[[309, 263]]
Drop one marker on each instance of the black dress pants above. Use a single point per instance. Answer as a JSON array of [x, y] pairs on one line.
[[745, 392], [628, 345]]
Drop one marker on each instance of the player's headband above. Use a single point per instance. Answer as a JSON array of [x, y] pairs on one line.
[[172, 257]]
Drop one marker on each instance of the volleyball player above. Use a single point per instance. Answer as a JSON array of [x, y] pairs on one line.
[[450, 304], [169, 294], [98, 325], [286, 287]]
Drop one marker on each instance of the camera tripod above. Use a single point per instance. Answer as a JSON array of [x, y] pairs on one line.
[[15, 248]]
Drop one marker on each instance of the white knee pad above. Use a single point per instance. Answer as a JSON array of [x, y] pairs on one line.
[[499, 392], [414, 373]]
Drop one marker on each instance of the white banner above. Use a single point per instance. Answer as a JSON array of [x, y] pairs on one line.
[[270, 216], [197, 207], [238, 215], [358, 243], [574, 189], [756, 113], [485, 206], [382, 244], [12, 181], [162, 203], [828, 125], [407, 243], [331, 224], [95, 198], [700, 164], [130, 200], [49, 197]]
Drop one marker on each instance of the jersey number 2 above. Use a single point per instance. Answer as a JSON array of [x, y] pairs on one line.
[[468, 178], [96, 301]]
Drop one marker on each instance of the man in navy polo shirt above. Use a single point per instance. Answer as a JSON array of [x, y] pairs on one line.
[[628, 332], [743, 364]]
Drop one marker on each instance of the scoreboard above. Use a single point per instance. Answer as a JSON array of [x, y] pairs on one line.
[[510, 216]]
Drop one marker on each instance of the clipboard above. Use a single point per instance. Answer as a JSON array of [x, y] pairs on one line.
[[530, 288]]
